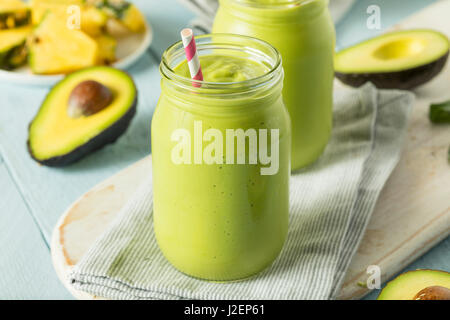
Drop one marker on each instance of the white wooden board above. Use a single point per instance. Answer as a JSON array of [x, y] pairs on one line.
[[411, 216]]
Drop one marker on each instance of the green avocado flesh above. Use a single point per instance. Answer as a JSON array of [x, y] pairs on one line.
[[409, 284], [403, 59], [56, 139]]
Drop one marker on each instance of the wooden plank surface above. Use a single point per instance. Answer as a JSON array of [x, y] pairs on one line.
[[412, 215], [25, 266], [46, 192], [42, 193], [416, 199]]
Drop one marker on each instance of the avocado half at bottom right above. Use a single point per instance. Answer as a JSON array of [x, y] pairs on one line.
[[85, 111], [396, 60], [418, 285]]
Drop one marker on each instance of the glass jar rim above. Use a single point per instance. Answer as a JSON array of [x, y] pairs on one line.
[[273, 5], [223, 41], [280, 13]]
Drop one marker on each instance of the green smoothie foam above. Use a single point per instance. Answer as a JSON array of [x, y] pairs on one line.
[[222, 68]]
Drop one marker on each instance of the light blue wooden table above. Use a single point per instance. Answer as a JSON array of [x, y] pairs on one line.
[[32, 197]]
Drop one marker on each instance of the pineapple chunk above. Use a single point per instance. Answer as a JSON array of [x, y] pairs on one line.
[[124, 12], [107, 49], [133, 19], [92, 20], [58, 7], [13, 13], [54, 48], [13, 51]]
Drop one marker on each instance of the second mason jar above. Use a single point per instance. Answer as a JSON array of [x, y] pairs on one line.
[[302, 30], [221, 159]]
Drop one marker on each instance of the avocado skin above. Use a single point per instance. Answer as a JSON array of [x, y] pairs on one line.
[[403, 80], [110, 135]]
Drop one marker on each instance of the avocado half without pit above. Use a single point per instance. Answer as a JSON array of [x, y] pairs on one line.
[[418, 285], [397, 60], [85, 111]]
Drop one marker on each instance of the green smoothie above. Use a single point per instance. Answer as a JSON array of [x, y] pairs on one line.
[[214, 219], [303, 32], [225, 69]]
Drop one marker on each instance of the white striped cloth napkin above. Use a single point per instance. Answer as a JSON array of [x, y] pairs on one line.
[[330, 205]]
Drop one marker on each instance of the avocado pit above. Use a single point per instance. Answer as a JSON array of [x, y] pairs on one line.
[[56, 139], [87, 98], [433, 293], [418, 285]]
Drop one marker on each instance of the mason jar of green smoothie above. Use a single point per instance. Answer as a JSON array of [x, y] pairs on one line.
[[303, 32], [221, 159]]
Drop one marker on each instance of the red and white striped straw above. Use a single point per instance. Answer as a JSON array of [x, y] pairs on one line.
[[191, 54]]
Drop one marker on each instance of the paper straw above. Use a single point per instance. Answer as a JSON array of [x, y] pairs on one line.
[[191, 54]]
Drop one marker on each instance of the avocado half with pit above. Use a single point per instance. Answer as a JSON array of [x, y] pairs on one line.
[[396, 60], [85, 111], [418, 285]]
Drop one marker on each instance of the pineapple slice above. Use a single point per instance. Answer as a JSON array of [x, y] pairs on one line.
[[123, 12], [107, 49], [54, 48], [133, 19], [58, 7], [13, 51], [13, 13], [92, 20]]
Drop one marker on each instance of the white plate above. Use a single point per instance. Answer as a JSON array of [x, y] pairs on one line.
[[129, 50]]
